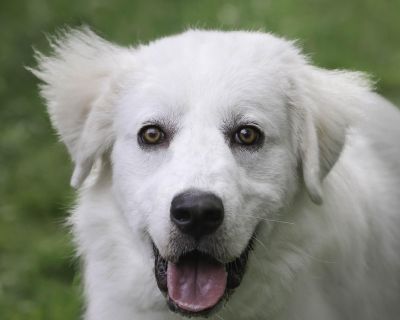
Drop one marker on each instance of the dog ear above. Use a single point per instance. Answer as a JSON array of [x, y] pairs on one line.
[[327, 104], [79, 87]]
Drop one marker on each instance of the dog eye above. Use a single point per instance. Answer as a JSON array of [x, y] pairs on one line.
[[151, 135], [247, 135]]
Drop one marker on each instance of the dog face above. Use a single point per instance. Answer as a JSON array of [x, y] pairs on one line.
[[200, 104], [210, 134], [204, 119]]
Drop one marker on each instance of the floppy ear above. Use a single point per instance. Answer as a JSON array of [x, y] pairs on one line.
[[79, 88], [327, 104]]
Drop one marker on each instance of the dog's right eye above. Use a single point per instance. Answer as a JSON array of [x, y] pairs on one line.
[[248, 136], [151, 135]]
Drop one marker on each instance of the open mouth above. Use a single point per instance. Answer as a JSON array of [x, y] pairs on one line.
[[198, 284]]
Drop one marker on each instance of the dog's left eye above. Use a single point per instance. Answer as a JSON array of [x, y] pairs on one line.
[[151, 135], [247, 135]]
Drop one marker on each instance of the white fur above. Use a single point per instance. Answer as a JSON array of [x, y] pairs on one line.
[[331, 254]]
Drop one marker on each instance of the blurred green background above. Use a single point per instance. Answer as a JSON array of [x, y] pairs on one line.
[[39, 278]]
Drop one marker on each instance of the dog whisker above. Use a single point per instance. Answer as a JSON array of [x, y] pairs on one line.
[[271, 220], [315, 258], [260, 242]]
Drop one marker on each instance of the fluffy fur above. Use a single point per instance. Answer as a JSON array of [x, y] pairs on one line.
[[321, 193]]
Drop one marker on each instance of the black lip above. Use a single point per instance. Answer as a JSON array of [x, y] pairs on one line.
[[160, 270], [235, 269]]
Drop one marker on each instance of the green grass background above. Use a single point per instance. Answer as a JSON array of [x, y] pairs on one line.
[[39, 278]]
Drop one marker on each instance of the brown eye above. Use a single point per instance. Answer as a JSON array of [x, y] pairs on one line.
[[151, 135], [247, 135]]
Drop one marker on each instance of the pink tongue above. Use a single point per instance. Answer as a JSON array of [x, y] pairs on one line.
[[196, 284]]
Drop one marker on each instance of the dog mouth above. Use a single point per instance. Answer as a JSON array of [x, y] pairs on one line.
[[197, 284]]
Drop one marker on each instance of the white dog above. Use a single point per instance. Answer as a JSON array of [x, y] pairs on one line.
[[221, 175]]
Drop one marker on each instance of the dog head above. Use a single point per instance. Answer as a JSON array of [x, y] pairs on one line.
[[209, 134]]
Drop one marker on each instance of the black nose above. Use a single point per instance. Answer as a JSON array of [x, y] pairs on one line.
[[197, 213]]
